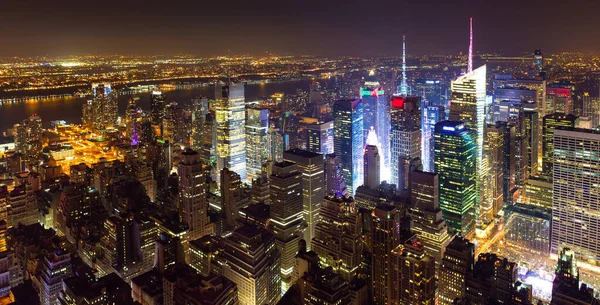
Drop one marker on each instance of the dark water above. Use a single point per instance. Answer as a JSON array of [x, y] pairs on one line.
[[69, 108]]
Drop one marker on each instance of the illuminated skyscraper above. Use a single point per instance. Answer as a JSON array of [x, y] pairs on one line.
[[232, 196], [467, 104], [334, 181], [385, 238], [576, 192], [310, 165], [56, 267], [426, 214], [104, 107], [257, 141], [372, 167], [431, 116], [495, 150], [286, 215], [376, 118], [349, 141], [538, 60], [457, 264], [158, 107], [338, 237], [231, 136], [404, 89], [405, 137], [320, 137], [414, 274], [551, 122], [192, 195], [199, 111], [455, 164]]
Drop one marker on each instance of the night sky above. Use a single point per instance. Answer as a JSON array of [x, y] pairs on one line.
[[320, 27]]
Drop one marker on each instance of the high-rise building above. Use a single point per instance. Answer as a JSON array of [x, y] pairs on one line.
[[431, 116], [376, 118], [182, 285], [492, 280], [320, 137], [232, 196], [56, 267], [310, 165], [566, 287], [158, 107], [338, 237], [334, 181], [456, 265], [385, 238], [468, 106], [349, 141], [405, 137], [231, 136], [372, 167], [413, 274], [527, 228], [551, 122], [104, 107], [251, 260], [192, 195], [495, 154], [199, 111], [257, 141], [261, 190], [286, 215], [591, 108], [426, 214], [433, 92], [576, 192], [455, 154], [559, 99]]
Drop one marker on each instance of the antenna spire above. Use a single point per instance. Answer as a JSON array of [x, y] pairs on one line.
[[404, 85], [470, 64]]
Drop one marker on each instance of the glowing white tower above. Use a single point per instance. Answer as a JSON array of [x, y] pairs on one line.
[[404, 86], [470, 64]]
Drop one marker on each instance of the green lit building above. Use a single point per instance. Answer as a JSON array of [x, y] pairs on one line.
[[455, 163]]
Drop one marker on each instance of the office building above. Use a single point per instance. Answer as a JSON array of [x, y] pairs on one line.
[[527, 228], [231, 136], [182, 285], [576, 192], [83, 287], [455, 152], [413, 274], [494, 147], [431, 116], [457, 264], [287, 215], [192, 195], [233, 197], [558, 99], [257, 141], [432, 92], [349, 141], [426, 214], [56, 267], [338, 237], [310, 165], [251, 260], [405, 137], [492, 280], [320, 137], [550, 123], [334, 181], [467, 104], [158, 107], [566, 287], [376, 118], [385, 238], [372, 167]]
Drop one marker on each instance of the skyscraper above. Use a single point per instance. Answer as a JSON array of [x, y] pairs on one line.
[[232, 196], [376, 118], [455, 164], [426, 214], [349, 141], [404, 89], [338, 237], [257, 141], [405, 137], [192, 195], [320, 137], [372, 167], [251, 260], [576, 192], [413, 273], [431, 116], [551, 122], [104, 107], [468, 105], [56, 267], [158, 112], [456, 265], [386, 237], [231, 136], [310, 165], [334, 181], [286, 215]]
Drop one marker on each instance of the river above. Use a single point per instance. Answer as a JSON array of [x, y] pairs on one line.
[[69, 108]]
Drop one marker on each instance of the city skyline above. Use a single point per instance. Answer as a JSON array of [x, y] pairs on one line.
[[315, 28]]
